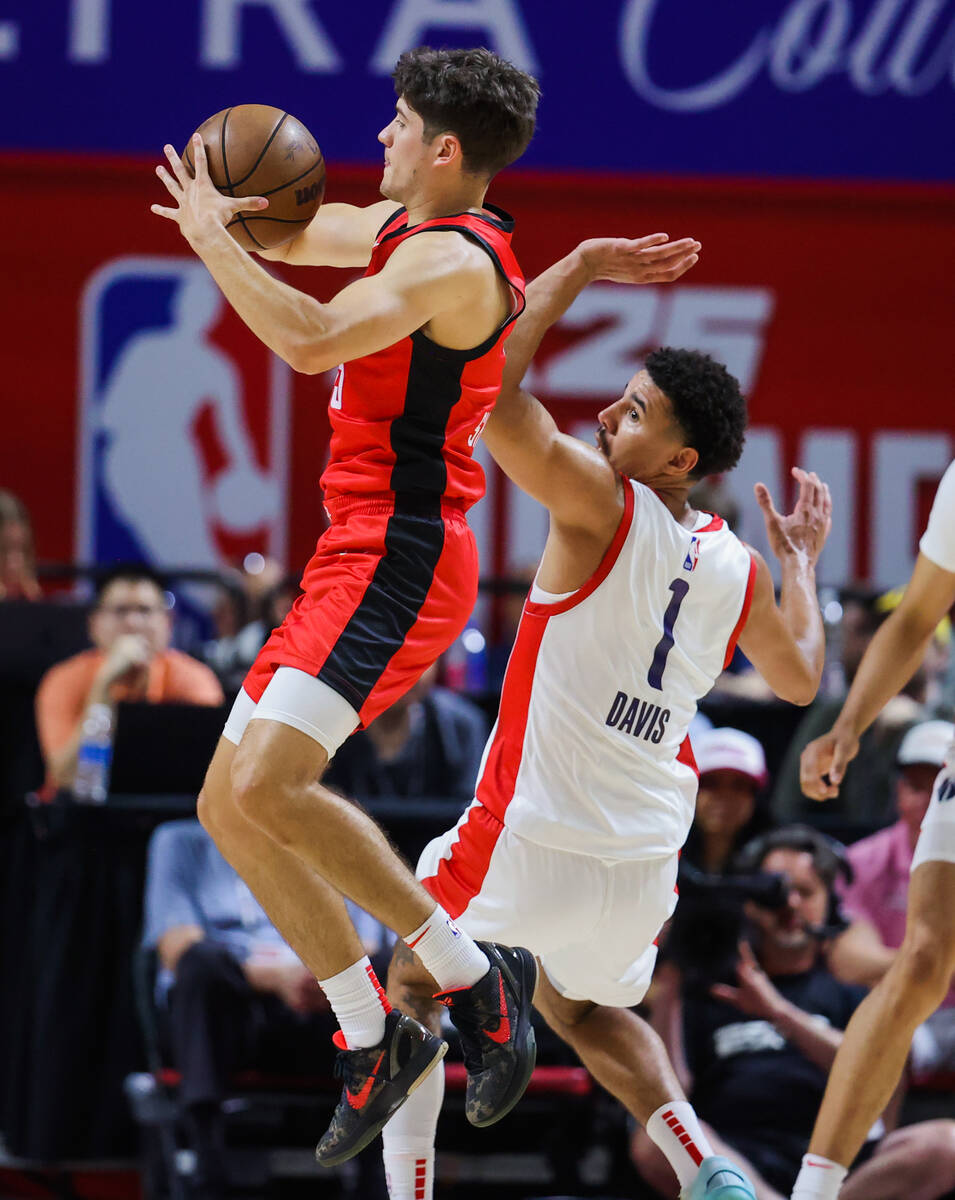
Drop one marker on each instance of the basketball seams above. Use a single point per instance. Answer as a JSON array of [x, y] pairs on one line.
[[266, 147], [222, 151], [262, 153], [266, 217], [319, 162]]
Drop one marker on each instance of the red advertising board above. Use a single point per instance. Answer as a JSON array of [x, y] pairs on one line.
[[832, 302]]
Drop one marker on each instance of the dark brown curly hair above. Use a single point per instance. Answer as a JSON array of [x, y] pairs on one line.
[[486, 101]]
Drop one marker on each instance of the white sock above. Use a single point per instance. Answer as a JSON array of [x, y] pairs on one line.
[[675, 1129], [449, 955], [408, 1141], [819, 1178], [359, 1002]]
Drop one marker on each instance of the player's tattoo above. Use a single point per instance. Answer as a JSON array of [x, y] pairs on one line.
[[402, 956], [411, 988]]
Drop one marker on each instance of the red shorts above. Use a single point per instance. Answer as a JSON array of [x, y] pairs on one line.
[[390, 587]]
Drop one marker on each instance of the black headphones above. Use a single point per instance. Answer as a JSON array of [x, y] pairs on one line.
[[829, 858]]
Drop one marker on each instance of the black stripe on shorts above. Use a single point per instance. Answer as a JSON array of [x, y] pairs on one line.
[[392, 601]]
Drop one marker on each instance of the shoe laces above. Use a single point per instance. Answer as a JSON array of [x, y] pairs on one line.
[[345, 1069]]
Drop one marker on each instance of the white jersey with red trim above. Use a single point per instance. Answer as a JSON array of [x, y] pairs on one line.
[[590, 751]]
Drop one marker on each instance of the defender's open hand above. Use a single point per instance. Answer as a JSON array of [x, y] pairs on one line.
[[650, 259], [805, 529]]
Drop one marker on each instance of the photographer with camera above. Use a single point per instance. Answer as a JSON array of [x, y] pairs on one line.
[[755, 1033]]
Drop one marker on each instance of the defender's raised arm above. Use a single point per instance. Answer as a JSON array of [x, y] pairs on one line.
[[568, 477]]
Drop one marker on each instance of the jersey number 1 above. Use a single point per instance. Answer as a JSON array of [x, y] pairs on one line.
[[679, 588]]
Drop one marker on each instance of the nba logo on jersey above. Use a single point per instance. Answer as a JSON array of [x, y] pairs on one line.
[[183, 423], [692, 555]]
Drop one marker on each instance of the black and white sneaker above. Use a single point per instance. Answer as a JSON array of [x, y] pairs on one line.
[[493, 1018], [378, 1080]]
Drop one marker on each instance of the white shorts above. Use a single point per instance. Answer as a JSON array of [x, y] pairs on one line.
[[591, 922], [937, 839], [295, 698]]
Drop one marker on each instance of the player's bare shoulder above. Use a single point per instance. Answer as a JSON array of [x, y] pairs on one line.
[[476, 300]]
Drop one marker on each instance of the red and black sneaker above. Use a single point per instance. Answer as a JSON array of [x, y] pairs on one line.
[[378, 1080], [493, 1019]]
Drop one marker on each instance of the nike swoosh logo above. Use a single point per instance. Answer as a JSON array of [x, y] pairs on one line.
[[359, 1100], [503, 1032]]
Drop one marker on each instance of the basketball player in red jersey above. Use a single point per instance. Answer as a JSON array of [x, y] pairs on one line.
[[394, 578]]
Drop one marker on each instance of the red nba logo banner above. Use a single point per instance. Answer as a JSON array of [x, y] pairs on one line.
[[183, 429]]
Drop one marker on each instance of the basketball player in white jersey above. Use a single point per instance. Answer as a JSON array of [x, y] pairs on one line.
[[587, 787], [876, 1043]]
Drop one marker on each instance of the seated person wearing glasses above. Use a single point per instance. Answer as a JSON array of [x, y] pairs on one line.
[[130, 629]]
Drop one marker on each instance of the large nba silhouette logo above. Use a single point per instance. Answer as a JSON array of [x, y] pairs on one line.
[[183, 424]]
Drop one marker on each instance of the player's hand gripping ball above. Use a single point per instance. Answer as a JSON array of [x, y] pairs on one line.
[[257, 150]]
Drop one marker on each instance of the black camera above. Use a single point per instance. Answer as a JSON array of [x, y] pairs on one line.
[[709, 922], [704, 936]]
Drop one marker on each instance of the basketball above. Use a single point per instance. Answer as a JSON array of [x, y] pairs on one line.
[[258, 150]]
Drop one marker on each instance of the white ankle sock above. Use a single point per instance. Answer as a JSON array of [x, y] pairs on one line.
[[359, 1002], [819, 1178], [449, 955], [408, 1141], [675, 1129]]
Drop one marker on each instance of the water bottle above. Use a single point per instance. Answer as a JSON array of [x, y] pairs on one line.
[[91, 782]]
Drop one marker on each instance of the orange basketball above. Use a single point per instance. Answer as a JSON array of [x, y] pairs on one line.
[[257, 150]]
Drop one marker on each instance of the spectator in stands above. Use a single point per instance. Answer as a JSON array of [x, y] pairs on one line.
[[508, 609], [130, 628], [712, 495], [232, 996], [755, 1055], [428, 744], [924, 694], [733, 772], [246, 613], [18, 579], [865, 798], [879, 892]]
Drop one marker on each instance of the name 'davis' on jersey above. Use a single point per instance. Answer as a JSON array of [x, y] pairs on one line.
[[641, 718]]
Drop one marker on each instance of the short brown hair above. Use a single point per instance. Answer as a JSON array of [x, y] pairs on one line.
[[486, 101]]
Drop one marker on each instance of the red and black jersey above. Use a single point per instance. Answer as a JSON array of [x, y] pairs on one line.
[[405, 419]]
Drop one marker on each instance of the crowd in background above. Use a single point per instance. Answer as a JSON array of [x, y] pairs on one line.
[[231, 996]]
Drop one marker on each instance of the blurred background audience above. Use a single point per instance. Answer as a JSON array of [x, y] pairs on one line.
[[866, 797], [753, 1036], [18, 579], [131, 629], [428, 744], [730, 802], [878, 894]]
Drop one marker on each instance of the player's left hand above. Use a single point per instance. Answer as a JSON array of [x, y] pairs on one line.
[[805, 529], [650, 259], [201, 209], [756, 996]]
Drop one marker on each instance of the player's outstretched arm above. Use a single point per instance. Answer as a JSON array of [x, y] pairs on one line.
[[427, 275], [651, 259], [786, 643], [890, 661], [571, 479], [339, 235]]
